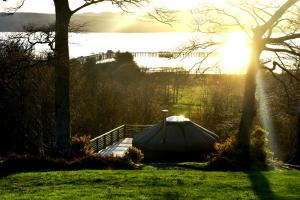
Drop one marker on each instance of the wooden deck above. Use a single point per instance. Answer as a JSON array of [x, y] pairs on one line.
[[115, 136], [117, 149]]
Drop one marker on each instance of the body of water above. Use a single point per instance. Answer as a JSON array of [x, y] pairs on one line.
[[85, 44], [91, 43]]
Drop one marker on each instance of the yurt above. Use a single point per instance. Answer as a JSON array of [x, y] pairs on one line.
[[175, 138]]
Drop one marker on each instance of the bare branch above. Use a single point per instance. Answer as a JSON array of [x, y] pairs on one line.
[[235, 18], [254, 15], [257, 15], [280, 81], [277, 15], [280, 50], [120, 3], [199, 64], [262, 10], [284, 69], [282, 39], [86, 4], [163, 16]]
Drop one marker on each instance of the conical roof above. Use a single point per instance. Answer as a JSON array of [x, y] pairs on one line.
[[182, 135]]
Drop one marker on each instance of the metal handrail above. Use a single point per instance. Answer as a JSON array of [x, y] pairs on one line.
[[107, 133], [102, 141]]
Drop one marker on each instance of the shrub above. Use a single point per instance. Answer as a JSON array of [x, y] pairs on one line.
[[18, 163], [230, 156], [134, 154], [80, 145], [99, 162], [259, 151], [228, 147], [91, 162]]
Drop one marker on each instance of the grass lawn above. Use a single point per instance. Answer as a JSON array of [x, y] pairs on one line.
[[151, 183]]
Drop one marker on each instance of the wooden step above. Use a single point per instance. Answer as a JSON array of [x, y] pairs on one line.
[[117, 149]]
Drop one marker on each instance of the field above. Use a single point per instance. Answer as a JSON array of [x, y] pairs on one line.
[[151, 183]]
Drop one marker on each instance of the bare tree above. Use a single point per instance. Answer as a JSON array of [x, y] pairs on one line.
[[63, 14], [271, 27]]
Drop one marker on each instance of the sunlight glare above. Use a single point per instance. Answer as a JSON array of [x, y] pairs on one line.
[[218, 3], [121, 25], [175, 5], [264, 112], [235, 53]]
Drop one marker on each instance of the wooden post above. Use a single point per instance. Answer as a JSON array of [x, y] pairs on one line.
[[164, 126]]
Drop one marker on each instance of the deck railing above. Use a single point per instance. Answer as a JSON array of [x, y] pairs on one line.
[[115, 135]]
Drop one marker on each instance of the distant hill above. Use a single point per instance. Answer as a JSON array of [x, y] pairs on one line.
[[102, 22], [16, 22]]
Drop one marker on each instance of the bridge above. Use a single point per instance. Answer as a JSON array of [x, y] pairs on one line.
[[167, 54], [160, 54]]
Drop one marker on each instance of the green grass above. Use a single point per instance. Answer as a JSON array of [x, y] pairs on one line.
[[151, 183], [192, 95]]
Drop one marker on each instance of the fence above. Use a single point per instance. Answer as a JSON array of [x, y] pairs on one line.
[[115, 135]]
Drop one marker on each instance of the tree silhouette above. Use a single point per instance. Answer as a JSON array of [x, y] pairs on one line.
[[125, 57], [63, 14], [271, 27]]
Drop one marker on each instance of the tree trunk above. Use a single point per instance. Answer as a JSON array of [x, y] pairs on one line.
[[62, 102], [249, 102]]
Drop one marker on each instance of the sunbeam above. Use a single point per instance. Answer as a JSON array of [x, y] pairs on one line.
[[264, 112]]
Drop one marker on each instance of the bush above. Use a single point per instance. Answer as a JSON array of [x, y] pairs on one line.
[[80, 146], [16, 163], [228, 147], [134, 154], [259, 151], [99, 162], [230, 156]]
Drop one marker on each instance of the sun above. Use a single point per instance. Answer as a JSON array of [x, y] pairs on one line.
[[235, 54]]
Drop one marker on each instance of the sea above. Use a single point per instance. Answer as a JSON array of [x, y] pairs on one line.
[[86, 44]]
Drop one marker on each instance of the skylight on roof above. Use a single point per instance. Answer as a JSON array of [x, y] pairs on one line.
[[177, 119]]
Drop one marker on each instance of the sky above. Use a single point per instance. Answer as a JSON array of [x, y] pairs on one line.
[[47, 6]]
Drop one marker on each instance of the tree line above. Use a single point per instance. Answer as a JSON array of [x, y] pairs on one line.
[[106, 95]]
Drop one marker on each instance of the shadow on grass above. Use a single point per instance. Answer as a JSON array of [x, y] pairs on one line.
[[5, 174], [171, 195], [261, 186], [179, 166]]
